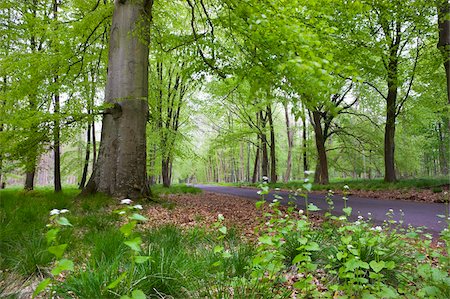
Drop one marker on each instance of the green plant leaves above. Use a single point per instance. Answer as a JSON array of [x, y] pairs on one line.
[[134, 244], [51, 235], [377, 266], [57, 250], [313, 208], [347, 211], [116, 282], [127, 228], [139, 259], [138, 217], [63, 221], [41, 286], [62, 265]]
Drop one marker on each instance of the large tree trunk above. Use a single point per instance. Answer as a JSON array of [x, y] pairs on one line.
[[290, 137], [29, 179], [121, 167], [443, 149], [57, 127], [304, 144], [320, 146], [444, 39]]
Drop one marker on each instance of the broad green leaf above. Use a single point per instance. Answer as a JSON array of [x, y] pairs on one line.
[[347, 211], [125, 297], [52, 234], [57, 250], [266, 240], [63, 221], [223, 230], [377, 266], [226, 254], [218, 249], [307, 186], [139, 259], [127, 228], [313, 208], [312, 246], [260, 203], [62, 265], [41, 286], [134, 244], [116, 282], [138, 217], [138, 294]]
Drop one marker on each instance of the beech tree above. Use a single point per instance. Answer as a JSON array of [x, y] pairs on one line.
[[120, 170]]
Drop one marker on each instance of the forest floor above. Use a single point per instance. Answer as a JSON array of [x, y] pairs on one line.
[[193, 210]]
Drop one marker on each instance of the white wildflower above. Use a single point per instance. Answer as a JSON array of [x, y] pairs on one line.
[[64, 211], [275, 200], [54, 212], [357, 222], [391, 210], [308, 172], [346, 187], [126, 201], [259, 192], [369, 214], [265, 178], [360, 217], [277, 189], [306, 180], [377, 228], [122, 212], [139, 207], [300, 211]]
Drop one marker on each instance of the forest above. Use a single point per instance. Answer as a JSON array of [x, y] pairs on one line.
[[120, 112]]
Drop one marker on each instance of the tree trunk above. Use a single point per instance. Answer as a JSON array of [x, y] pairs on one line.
[[320, 146], [86, 159], [29, 179], [290, 137], [57, 148], [389, 132], [121, 166], [165, 172], [304, 144], [256, 165], [273, 156], [444, 40], [443, 151]]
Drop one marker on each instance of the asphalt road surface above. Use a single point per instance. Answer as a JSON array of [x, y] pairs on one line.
[[415, 213]]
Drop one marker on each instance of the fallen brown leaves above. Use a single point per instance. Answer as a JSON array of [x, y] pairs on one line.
[[187, 210]]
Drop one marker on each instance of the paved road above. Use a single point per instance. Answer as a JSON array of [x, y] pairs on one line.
[[415, 213]]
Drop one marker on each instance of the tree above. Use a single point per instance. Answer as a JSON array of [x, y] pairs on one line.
[[120, 170]]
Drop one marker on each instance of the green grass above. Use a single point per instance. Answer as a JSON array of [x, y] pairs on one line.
[[175, 189], [435, 184]]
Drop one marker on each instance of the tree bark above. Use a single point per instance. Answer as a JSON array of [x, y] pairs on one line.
[[321, 151], [273, 156], [165, 172], [304, 144], [29, 179], [290, 137], [86, 158], [444, 40], [120, 170], [256, 165]]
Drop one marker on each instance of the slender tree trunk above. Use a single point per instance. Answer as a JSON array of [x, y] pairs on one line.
[[165, 172], [247, 174], [256, 165], [290, 137], [57, 128], [320, 146], [121, 166], [443, 151], [304, 144], [86, 158], [273, 156], [389, 132]]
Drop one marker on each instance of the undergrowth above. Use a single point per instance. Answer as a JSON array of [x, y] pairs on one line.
[[114, 258]]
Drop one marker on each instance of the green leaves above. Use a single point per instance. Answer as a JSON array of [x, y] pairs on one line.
[[62, 265], [128, 228], [134, 244], [377, 266], [51, 235], [138, 217], [57, 250], [63, 221], [41, 286], [116, 282]]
